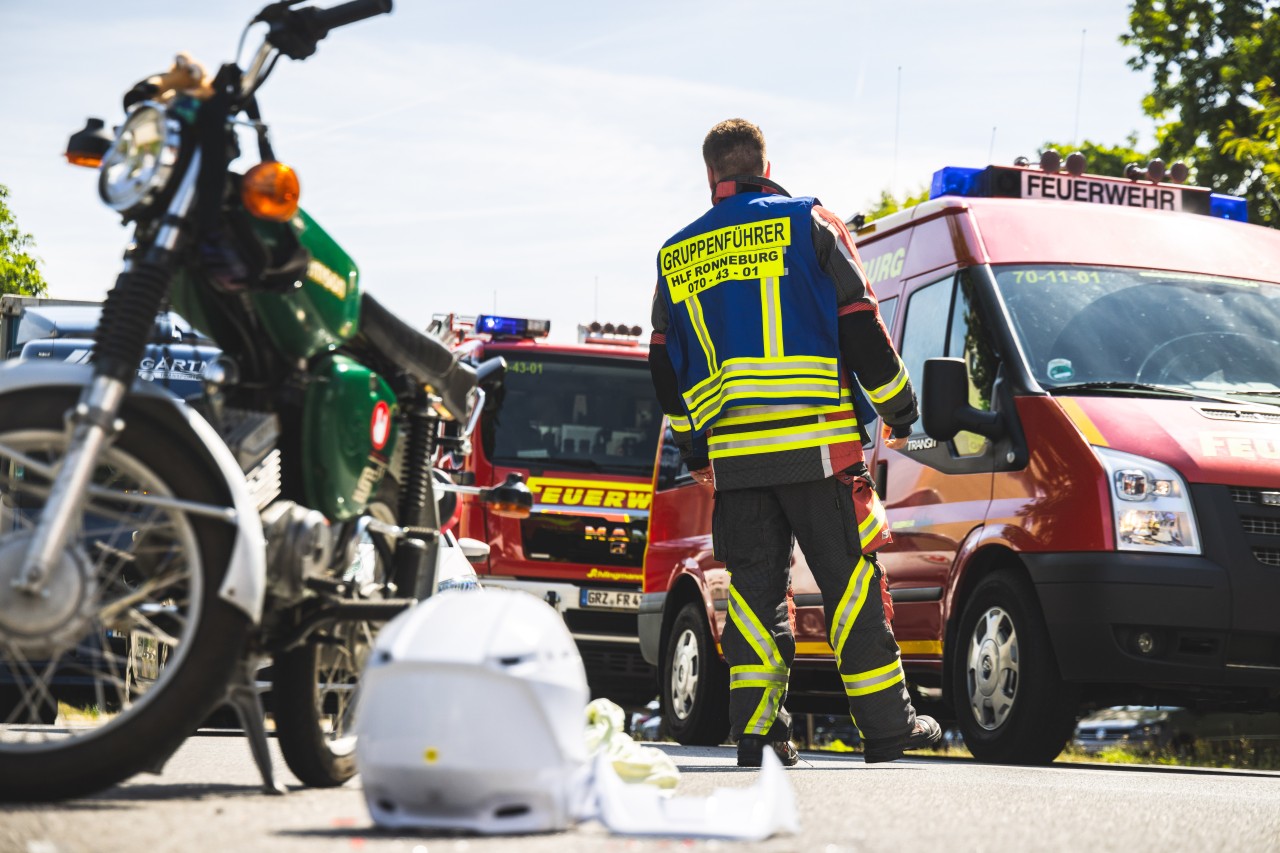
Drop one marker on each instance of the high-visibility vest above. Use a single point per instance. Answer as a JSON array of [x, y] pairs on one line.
[[752, 318]]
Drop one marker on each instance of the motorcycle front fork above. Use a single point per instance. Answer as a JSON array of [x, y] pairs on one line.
[[93, 423]]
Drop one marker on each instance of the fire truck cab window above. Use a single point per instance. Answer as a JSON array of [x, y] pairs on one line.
[[576, 413]]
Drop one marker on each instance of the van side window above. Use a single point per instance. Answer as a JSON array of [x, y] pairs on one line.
[[671, 468], [925, 333], [888, 307], [968, 339]]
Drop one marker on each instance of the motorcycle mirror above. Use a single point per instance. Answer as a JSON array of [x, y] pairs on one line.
[[87, 146], [512, 499]]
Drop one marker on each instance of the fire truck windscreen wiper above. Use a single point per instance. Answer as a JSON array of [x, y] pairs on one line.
[[1128, 387]]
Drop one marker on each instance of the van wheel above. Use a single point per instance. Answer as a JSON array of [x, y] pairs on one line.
[[694, 681], [1011, 704]]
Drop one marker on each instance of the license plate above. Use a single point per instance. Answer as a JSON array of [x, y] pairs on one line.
[[611, 599]]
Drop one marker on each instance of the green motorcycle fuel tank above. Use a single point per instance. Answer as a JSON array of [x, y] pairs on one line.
[[348, 429], [348, 435]]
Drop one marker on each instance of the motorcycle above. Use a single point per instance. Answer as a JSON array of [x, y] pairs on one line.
[[161, 557]]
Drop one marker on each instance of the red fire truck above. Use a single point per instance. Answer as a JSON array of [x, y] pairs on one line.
[[1089, 512], [580, 423]]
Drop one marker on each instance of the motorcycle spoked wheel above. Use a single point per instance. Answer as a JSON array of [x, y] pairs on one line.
[[314, 687], [132, 670]]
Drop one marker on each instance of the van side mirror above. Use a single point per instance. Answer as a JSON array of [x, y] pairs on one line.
[[946, 408]]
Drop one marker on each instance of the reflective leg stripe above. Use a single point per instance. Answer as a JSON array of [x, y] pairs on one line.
[[766, 712], [758, 676], [760, 639], [850, 605], [869, 529], [893, 386], [873, 680], [704, 336]]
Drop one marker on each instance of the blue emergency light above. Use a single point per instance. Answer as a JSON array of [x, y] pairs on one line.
[[1019, 182], [512, 327]]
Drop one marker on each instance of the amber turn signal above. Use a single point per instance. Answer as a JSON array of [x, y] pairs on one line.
[[270, 191], [77, 158], [510, 510]]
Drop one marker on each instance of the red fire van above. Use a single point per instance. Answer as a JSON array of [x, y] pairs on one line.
[[1089, 512], [579, 422]]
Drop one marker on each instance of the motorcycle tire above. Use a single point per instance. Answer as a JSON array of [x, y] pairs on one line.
[[142, 724], [314, 686]]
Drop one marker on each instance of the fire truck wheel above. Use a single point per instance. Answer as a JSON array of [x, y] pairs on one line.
[[694, 681], [1011, 704]]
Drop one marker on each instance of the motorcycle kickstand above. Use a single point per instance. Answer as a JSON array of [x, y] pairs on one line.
[[242, 695]]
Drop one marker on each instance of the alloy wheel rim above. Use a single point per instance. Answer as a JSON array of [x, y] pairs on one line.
[[684, 674], [993, 667]]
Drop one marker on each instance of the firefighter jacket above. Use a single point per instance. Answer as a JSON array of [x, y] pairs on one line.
[[749, 352]]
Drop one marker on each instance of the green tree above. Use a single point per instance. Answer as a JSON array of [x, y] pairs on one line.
[[889, 203], [1107, 160], [19, 270], [1207, 58]]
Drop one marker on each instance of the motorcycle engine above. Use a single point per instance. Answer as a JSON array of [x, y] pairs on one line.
[[299, 546]]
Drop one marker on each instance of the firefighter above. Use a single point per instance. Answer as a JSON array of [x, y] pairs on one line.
[[761, 316]]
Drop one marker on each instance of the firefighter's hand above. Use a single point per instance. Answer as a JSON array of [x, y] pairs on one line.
[[704, 477], [891, 441]]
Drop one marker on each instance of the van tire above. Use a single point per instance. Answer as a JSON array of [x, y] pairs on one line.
[[694, 681], [1004, 671]]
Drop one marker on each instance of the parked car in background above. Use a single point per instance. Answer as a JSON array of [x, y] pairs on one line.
[[1155, 728]]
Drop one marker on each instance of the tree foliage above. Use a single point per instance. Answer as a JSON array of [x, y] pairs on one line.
[[889, 203], [1211, 63], [19, 270]]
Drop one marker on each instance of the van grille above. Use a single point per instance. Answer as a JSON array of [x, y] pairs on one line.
[[1251, 496], [1240, 415], [1270, 556], [1261, 526]]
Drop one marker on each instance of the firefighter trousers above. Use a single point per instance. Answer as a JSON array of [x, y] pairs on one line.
[[754, 531]]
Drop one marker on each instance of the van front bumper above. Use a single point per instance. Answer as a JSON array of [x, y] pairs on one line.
[[1163, 621]]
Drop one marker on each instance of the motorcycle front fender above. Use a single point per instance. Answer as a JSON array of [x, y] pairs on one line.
[[245, 583]]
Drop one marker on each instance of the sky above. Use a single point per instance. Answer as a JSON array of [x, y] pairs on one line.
[[533, 156]]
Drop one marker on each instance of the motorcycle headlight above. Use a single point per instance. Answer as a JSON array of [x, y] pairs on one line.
[[1150, 505], [138, 166]]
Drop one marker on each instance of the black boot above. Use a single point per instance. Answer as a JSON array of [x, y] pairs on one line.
[[925, 734]]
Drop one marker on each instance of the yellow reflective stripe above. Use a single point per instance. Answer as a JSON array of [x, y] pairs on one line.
[[786, 389], [1083, 422], [850, 604], [764, 414], [870, 535], [762, 375], [873, 680], [768, 319], [783, 364], [757, 668], [799, 444], [767, 683], [704, 336], [751, 628], [798, 429], [762, 720], [679, 423], [885, 392]]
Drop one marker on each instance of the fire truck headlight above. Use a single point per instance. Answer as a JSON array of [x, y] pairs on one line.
[[1150, 505]]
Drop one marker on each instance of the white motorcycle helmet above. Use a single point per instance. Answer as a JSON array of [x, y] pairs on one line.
[[471, 717]]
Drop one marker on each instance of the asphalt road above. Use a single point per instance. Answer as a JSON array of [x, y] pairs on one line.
[[208, 799]]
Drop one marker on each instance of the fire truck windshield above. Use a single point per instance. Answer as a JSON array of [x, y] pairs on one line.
[[594, 414], [1085, 325]]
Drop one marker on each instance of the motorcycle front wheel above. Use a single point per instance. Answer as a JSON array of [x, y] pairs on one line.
[[128, 646], [313, 692]]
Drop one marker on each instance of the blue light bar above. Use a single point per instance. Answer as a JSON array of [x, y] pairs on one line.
[[512, 327], [1228, 207], [954, 180]]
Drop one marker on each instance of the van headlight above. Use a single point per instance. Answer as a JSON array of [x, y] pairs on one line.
[[1150, 505], [138, 166]]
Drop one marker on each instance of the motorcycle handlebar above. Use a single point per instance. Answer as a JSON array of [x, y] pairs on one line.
[[349, 13]]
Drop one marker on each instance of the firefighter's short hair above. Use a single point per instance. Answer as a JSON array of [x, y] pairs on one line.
[[734, 147]]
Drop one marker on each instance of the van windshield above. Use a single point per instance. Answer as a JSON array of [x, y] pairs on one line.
[[1079, 324], [593, 414]]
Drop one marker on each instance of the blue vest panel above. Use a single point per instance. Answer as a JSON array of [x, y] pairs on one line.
[[752, 317]]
